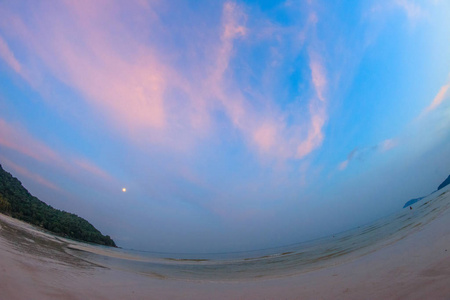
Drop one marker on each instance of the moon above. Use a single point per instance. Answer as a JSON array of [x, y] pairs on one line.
[[124, 190]]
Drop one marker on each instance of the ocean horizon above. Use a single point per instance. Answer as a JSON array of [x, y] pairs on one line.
[[271, 262]]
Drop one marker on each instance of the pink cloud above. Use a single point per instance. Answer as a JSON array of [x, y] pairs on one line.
[[128, 92], [129, 82], [260, 131], [318, 75], [8, 56], [317, 109], [343, 165], [439, 98], [124, 79], [24, 172], [79, 51], [91, 168], [388, 144], [17, 139], [315, 135], [268, 131], [232, 26], [265, 136], [231, 29]]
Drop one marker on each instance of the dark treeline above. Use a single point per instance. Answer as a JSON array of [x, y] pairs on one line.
[[17, 202]]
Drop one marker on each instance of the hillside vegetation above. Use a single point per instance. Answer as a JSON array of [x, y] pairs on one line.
[[17, 202]]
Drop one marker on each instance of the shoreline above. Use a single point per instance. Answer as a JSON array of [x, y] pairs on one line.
[[417, 266]]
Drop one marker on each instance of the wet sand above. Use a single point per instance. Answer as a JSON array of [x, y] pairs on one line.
[[35, 265]]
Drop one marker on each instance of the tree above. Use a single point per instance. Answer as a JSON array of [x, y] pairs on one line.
[[5, 206], [16, 201]]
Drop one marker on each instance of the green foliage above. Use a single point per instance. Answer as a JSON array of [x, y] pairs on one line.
[[5, 206], [17, 202]]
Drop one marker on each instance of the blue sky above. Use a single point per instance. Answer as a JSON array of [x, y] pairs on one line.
[[233, 125]]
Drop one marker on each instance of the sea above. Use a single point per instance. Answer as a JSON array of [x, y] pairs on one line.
[[274, 262]]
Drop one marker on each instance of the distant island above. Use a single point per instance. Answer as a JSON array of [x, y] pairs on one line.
[[412, 201], [18, 203], [443, 184]]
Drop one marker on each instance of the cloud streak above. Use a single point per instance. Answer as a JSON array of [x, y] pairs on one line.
[[412, 10], [19, 140], [438, 99], [8, 56], [14, 138], [362, 153], [134, 89], [24, 172]]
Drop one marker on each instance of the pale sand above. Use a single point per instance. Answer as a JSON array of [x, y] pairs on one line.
[[34, 266]]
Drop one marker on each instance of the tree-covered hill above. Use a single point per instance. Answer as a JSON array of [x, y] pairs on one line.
[[17, 202]]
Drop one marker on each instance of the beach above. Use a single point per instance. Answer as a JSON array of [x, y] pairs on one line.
[[412, 262]]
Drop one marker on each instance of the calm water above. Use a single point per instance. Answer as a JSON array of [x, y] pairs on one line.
[[275, 262]]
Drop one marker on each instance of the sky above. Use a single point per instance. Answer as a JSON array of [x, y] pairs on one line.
[[233, 125]]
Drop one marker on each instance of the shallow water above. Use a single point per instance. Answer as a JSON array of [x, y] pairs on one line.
[[274, 262]]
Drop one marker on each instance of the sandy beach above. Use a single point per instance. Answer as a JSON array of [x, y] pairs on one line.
[[36, 265]]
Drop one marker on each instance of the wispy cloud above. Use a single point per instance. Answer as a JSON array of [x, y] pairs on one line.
[[84, 55], [93, 169], [232, 29], [318, 75], [8, 56], [265, 136], [362, 153], [387, 145], [319, 82], [413, 10], [144, 95], [317, 109], [343, 165], [438, 99], [25, 172], [15, 138]]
